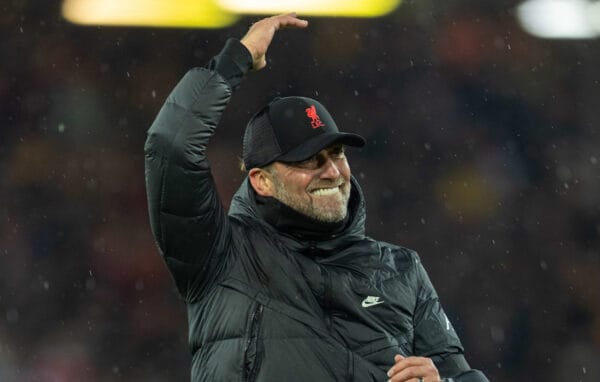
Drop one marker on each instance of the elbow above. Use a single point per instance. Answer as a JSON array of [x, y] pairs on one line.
[[162, 132], [156, 142]]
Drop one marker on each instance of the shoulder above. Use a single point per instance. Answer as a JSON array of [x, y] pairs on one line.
[[249, 230], [404, 258]]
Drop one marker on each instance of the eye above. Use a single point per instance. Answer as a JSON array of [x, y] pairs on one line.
[[310, 163], [337, 152]]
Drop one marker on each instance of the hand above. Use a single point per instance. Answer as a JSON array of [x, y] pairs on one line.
[[261, 33], [409, 369]]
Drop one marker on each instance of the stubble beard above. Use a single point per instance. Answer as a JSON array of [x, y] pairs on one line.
[[328, 209]]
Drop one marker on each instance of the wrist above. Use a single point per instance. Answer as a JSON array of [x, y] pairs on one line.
[[233, 62], [248, 45]]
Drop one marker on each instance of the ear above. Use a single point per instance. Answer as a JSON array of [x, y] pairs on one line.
[[261, 181]]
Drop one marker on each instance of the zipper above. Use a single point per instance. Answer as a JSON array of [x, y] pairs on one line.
[[252, 345], [327, 297], [350, 374], [327, 308]]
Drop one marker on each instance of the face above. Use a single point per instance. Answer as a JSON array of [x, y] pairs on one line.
[[318, 187]]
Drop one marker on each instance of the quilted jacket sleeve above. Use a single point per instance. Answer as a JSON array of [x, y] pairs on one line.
[[435, 337], [188, 221]]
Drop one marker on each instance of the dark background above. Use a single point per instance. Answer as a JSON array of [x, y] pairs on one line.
[[483, 156]]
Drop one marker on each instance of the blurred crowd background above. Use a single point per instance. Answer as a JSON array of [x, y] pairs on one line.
[[483, 156]]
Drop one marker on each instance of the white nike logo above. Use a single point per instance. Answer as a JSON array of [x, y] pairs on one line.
[[370, 301]]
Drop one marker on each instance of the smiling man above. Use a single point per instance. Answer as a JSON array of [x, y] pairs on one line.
[[318, 187], [295, 154], [286, 286]]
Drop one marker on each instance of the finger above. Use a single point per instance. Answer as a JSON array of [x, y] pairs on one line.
[[290, 20], [291, 15], [402, 363], [411, 373], [262, 62], [408, 362]]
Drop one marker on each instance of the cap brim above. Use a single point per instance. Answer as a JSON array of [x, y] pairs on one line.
[[318, 143]]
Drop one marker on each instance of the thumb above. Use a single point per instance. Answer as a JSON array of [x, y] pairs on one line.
[[260, 62], [398, 358]]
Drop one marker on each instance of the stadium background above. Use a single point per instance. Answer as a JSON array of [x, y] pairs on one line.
[[483, 156]]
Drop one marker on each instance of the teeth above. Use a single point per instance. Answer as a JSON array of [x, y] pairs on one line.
[[325, 191]]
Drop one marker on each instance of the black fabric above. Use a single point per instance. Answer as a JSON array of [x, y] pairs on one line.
[[291, 129], [263, 303], [232, 62], [450, 363], [260, 145]]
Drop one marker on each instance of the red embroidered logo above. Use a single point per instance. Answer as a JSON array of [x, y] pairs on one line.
[[315, 121]]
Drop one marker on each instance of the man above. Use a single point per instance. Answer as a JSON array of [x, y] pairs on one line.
[[286, 286]]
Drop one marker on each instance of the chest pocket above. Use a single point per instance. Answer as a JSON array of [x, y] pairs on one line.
[[383, 314]]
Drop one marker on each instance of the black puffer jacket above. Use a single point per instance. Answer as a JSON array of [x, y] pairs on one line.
[[268, 301]]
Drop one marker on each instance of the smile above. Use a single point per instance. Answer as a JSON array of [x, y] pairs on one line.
[[325, 191]]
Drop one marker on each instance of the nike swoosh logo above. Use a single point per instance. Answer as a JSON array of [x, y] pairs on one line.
[[370, 301]]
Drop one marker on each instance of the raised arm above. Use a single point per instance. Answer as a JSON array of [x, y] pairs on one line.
[[188, 221]]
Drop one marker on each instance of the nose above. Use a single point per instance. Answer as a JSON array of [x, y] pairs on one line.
[[330, 170]]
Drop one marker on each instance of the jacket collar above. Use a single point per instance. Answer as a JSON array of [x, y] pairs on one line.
[[246, 204], [292, 222]]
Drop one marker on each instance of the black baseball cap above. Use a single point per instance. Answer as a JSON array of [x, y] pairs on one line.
[[291, 129]]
